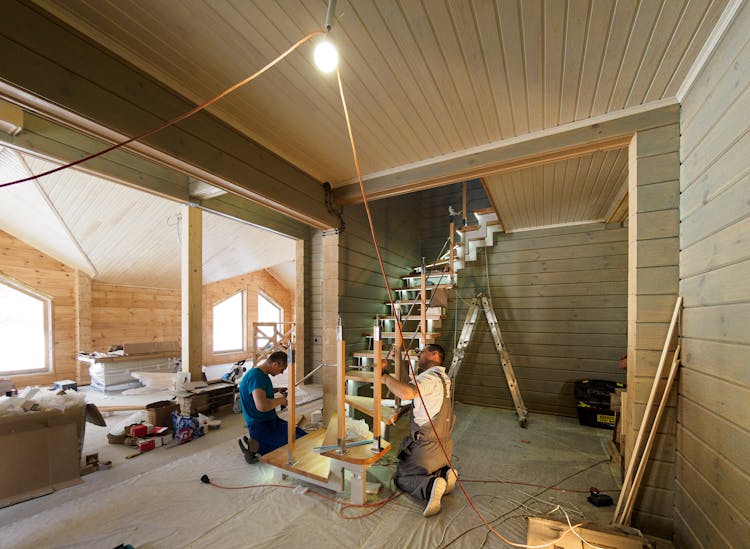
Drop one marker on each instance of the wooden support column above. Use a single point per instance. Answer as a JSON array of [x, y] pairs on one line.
[[299, 311], [83, 323], [330, 317], [191, 269], [653, 278]]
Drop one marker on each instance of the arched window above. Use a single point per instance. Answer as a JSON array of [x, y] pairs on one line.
[[229, 324], [25, 329]]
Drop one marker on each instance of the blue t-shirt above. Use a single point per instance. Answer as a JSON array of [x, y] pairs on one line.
[[253, 379]]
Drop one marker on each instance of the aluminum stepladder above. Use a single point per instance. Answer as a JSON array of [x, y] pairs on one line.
[[463, 342]]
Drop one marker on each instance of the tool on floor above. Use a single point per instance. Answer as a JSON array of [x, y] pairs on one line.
[[468, 329]]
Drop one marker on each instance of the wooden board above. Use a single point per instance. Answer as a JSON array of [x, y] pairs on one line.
[[365, 405], [308, 463]]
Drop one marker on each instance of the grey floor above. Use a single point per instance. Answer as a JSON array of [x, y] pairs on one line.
[[157, 499]]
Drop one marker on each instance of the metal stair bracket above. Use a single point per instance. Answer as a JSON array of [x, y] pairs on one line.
[[463, 342]]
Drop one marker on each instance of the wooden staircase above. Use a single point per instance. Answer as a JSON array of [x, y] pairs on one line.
[[419, 312], [420, 308]]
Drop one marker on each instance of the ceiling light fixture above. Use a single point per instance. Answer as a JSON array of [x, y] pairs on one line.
[[325, 56]]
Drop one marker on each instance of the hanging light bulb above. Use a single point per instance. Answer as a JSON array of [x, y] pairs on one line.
[[325, 56]]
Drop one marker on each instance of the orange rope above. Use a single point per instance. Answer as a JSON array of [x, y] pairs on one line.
[[171, 122], [398, 327]]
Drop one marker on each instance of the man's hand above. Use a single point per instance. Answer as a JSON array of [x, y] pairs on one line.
[[284, 402], [385, 367]]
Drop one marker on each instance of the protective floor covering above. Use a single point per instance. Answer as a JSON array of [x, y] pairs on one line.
[[162, 503]]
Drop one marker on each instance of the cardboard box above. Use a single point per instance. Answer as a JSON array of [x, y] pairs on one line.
[[40, 452]]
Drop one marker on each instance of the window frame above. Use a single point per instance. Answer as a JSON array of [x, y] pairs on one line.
[[48, 303]]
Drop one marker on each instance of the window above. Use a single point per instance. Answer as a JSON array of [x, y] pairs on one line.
[[229, 324], [268, 311], [25, 330]]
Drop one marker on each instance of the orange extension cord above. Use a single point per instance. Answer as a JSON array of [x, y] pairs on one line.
[[378, 505]]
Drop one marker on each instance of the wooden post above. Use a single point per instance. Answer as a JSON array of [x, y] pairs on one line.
[[341, 393], [626, 483], [377, 388], [397, 354], [464, 211], [628, 508], [423, 304], [191, 261], [292, 400], [452, 255]]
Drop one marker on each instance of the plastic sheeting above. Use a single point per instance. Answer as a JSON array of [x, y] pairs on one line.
[[164, 504]]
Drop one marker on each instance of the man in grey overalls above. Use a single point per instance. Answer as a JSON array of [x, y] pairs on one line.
[[423, 469]]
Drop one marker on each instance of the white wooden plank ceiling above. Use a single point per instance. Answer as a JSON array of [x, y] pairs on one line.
[[577, 190], [423, 78], [119, 235]]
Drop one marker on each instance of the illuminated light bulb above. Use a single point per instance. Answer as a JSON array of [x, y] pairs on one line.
[[325, 56]]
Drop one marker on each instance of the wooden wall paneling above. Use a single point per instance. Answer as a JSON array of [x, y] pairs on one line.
[[653, 243], [536, 292], [732, 521], [51, 278], [316, 297], [733, 487], [727, 361], [713, 465], [708, 214], [329, 290], [723, 248], [252, 284], [693, 526]]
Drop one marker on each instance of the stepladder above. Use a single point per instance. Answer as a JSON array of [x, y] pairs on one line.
[[472, 315]]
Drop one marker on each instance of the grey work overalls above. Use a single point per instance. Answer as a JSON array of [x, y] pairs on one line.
[[420, 457]]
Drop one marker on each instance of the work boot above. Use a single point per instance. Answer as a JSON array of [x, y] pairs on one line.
[[450, 480], [250, 457], [436, 494], [251, 444]]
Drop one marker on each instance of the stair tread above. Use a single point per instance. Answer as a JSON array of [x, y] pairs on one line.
[[414, 317], [356, 374], [407, 335], [307, 463], [365, 405]]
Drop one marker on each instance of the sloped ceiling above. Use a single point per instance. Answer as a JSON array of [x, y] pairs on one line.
[[119, 235]]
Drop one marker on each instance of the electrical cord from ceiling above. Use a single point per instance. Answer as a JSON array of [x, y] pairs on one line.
[[170, 122], [400, 332]]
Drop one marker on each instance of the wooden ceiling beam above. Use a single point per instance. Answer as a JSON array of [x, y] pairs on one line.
[[50, 59]]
